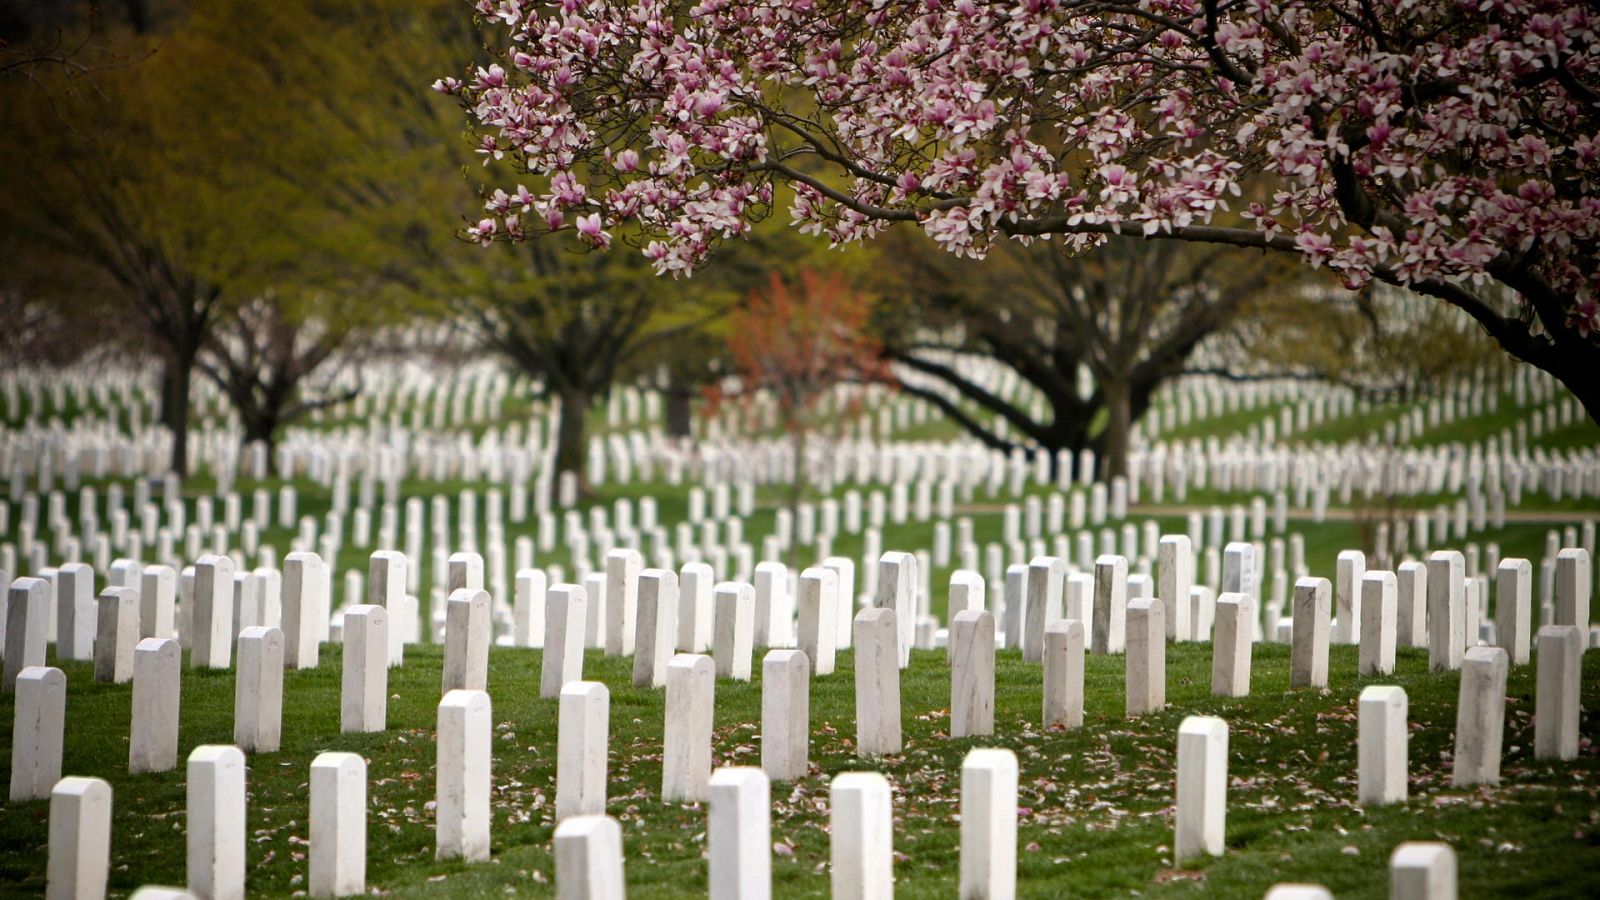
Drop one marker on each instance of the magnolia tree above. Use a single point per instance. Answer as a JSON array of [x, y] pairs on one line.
[[1450, 147]]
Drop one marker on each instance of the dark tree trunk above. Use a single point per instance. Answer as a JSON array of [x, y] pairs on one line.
[[1119, 422], [263, 428], [175, 410], [680, 409], [571, 432]]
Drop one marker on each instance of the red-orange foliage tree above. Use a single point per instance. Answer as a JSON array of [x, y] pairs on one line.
[[797, 342]]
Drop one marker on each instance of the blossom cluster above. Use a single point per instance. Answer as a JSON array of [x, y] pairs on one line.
[[1425, 140]]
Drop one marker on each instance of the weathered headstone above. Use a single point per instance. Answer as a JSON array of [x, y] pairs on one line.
[[1422, 870], [1513, 608], [1573, 588], [75, 612], [623, 567], [1202, 802], [364, 681], [1308, 655], [1480, 716], [695, 611], [27, 626], [1231, 646], [861, 835], [897, 591], [465, 727], [1174, 578], [1447, 612], [338, 840], [116, 634], [158, 591], [1349, 569], [1063, 674], [38, 724], [1556, 693], [686, 733], [153, 728], [386, 587], [989, 825], [216, 822], [80, 839], [972, 674], [877, 683], [739, 833], [774, 610], [1381, 736], [588, 851], [466, 641], [785, 715], [1411, 607], [305, 604], [582, 742], [819, 604], [258, 690], [657, 627], [734, 637], [565, 614], [1377, 636], [1145, 668], [212, 644], [528, 608], [1046, 575], [1110, 605]]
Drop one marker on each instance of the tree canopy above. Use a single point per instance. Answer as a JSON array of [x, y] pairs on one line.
[[1435, 145]]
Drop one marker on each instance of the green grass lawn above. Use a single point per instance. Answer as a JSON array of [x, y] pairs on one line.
[[1096, 802]]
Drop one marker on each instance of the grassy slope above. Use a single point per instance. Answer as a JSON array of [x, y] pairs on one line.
[[1098, 820], [1097, 800]]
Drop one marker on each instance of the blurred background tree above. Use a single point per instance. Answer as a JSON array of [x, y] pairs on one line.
[[1094, 334], [795, 342]]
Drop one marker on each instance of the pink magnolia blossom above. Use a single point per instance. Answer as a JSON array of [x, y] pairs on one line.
[[1435, 144]]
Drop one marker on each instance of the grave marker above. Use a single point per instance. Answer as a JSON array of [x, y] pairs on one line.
[[1377, 636], [216, 822], [877, 683], [338, 840], [989, 824], [153, 730], [657, 620], [1201, 816], [861, 834], [735, 630], [1145, 668], [1557, 690], [80, 839], [464, 781], [1480, 717], [686, 733], [972, 674], [1381, 745], [565, 616], [785, 715], [364, 679], [258, 690], [466, 641], [1308, 657], [584, 722], [588, 852], [116, 634], [739, 833], [37, 726], [1231, 646]]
